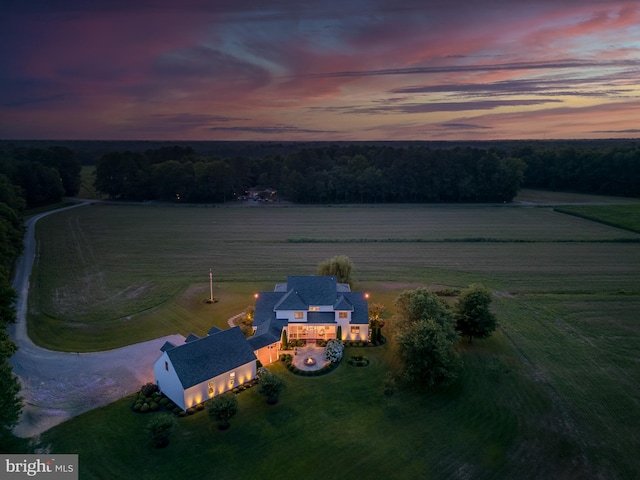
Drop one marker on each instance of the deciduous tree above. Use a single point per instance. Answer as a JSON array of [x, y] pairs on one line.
[[270, 385], [473, 316], [222, 408], [339, 266], [426, 339]]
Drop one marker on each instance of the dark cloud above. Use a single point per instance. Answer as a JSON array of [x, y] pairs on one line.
[[432, 107], [512, 66], [464, 126], [275, 129]]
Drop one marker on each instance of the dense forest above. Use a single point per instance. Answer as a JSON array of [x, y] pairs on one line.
[[355, 173]]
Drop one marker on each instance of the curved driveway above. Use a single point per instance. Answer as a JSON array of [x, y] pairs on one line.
[[57, 386]]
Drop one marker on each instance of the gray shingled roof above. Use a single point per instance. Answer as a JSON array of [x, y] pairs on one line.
[[200, 360], [191, 338], [321, 317], [343, 304], [213, 330], [315, 290], [167, 346], [291, 301], [360, 314]]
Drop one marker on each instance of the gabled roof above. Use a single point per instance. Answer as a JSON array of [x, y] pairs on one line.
[[191, 338], [291, 301], [200, 360], [314, 289], [213, 330], [343, 304], [167, 346], [360, 314]]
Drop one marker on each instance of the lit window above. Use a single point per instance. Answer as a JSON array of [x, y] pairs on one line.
[[314, 309], [343, 314], [355, 329], [211, 389], [298, 315], [232, 379]]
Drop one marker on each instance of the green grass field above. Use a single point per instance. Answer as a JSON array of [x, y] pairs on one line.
[[554, 393], [621, 216]]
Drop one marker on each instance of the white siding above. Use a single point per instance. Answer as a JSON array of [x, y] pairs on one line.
[[200, 393], [168, 381]]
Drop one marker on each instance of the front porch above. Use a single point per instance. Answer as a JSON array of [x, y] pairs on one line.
[[311, 332]]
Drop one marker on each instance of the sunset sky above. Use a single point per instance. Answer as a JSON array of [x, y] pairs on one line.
[[321, 70]]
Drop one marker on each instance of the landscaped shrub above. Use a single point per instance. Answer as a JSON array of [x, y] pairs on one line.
[[200, 407], [191, 410], [153, 406], [149, 389], [164, 401], [144, 408], [159, 429], [333, 350], [137, 407], [170, 406]]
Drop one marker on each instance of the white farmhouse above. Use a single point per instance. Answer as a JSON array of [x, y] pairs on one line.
[[306, 308]]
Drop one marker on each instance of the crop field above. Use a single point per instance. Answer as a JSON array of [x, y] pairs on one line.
[[554, 393]]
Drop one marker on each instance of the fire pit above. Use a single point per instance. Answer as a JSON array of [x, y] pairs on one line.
[[309, 361]]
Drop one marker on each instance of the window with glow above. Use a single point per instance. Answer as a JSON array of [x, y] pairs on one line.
[[314, 309], [343, 314], [232, 379], [211, 388], [355, 329], [298, 315]]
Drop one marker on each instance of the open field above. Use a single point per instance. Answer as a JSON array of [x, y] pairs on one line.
[[553, 394], [113, 268], [621, 216]]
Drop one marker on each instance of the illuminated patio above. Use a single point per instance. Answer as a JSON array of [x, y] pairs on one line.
[[309, 357]]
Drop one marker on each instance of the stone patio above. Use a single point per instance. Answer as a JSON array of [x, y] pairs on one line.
[[300, 354]]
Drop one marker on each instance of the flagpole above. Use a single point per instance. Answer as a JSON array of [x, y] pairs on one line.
[[211, 286]]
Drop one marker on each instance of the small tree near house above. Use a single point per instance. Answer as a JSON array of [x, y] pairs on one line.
[[159, 429], [222, 408], [270, 385]]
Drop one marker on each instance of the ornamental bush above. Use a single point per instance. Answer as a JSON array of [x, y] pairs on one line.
[[159, 428], [333, 350]]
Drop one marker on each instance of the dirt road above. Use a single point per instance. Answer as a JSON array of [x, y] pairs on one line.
[[57, 386]]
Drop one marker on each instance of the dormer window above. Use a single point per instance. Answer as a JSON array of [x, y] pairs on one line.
[[298, 315], [343, 314], [314, 309]]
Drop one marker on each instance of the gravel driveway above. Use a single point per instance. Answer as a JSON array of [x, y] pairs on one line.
[[57, 386]]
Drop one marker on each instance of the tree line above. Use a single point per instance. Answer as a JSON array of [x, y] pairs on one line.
[[333, 174], [12, 205], [29, 177], [613, 170], [44, 175], [370, 173]]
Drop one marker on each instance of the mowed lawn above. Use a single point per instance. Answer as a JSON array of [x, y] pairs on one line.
[[553, 394]]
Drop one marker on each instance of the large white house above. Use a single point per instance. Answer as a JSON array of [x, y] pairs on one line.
[[306, 307]]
